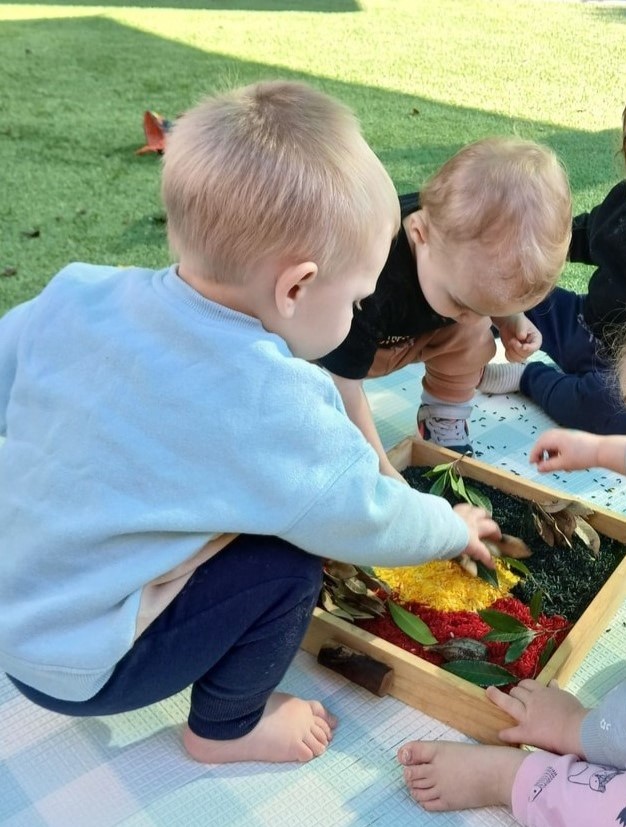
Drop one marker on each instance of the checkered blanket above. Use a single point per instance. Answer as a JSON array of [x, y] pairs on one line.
[[131, 770]]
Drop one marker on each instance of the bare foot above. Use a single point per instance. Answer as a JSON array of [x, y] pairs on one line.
[[290, 729], [443, 775]]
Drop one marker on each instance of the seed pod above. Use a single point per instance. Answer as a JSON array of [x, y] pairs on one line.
[[460, 648]]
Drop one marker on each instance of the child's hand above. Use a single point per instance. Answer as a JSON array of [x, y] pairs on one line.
[[481, 526], [547, 717], [519, 336], [562, 450]]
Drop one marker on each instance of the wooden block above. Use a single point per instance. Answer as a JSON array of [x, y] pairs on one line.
[[438, 693], [358, 667]]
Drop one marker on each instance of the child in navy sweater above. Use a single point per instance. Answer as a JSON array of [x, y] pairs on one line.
[[580, 330]]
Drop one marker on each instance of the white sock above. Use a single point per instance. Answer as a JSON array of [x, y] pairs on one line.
[[501, 377]]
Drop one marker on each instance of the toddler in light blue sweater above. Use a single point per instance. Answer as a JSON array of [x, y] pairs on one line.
[[175, 468]]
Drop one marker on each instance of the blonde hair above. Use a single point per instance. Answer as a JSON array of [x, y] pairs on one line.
[[272, 171], [512, 197]]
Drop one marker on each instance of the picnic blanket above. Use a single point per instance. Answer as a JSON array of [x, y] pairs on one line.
[[130, 770]]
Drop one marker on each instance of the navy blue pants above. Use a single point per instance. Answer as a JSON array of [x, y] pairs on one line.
[[230, 634], [582, 392]]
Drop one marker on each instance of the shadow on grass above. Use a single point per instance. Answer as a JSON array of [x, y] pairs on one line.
[[75, 93], [608, 13], [325, 6]]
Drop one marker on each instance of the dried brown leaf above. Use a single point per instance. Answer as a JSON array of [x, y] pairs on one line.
[[341, 571], [355, 585], [554, 506], [566, 523], [544, 530], [331, 607], [579, 509], [588, 535]]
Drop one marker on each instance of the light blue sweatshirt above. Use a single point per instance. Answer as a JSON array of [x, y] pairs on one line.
[[144, 422]]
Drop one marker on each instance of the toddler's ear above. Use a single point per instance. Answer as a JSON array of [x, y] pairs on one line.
[[291, 286], [417, 227]]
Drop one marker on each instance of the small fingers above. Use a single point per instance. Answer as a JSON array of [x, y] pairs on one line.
[[511, 704], [512, 735]]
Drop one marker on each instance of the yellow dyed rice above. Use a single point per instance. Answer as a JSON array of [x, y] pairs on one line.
[[444, 585]]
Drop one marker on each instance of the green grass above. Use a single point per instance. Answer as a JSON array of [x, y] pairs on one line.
[[424, 77]]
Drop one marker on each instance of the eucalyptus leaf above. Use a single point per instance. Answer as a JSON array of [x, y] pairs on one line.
[[536, 604], [488, 575], [518, 647], [355, 585], [439, 485], [438, 469], [355, 612], [372, 581], [505, 637], [480, 672], [501, 621], [332, 608], [546, 653], [410, 624], [517, 565], [477, 498], [460, 486]]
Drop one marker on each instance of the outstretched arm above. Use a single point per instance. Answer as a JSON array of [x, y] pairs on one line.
[[560, 449]]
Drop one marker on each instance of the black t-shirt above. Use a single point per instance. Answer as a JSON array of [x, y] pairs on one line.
[[599, 238], [396, 312]]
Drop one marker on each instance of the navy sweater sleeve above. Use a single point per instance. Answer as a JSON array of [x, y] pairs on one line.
[[599, 238]]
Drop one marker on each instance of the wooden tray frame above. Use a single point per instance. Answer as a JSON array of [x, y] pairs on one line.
[[438, 693]]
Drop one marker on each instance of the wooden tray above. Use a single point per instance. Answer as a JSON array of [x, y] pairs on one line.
[[438, 693]]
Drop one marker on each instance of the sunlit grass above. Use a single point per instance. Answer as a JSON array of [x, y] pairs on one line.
[[424, 77]]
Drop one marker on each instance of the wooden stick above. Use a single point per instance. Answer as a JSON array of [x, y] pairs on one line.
[[362, 669]]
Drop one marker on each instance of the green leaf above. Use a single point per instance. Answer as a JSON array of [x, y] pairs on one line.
[[410, 624], [439, 485], [518, 647], [536, 604], [517, 565], [478, 499], [488, 575], [438, 469], [546, 653], [501, 621], [457, 484], [480, 672], [503, 637]]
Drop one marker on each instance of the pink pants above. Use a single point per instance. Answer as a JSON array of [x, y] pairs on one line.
[[563, 791], [454, 358]]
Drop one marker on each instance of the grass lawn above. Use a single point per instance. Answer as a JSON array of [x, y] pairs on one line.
[[424, 76]]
